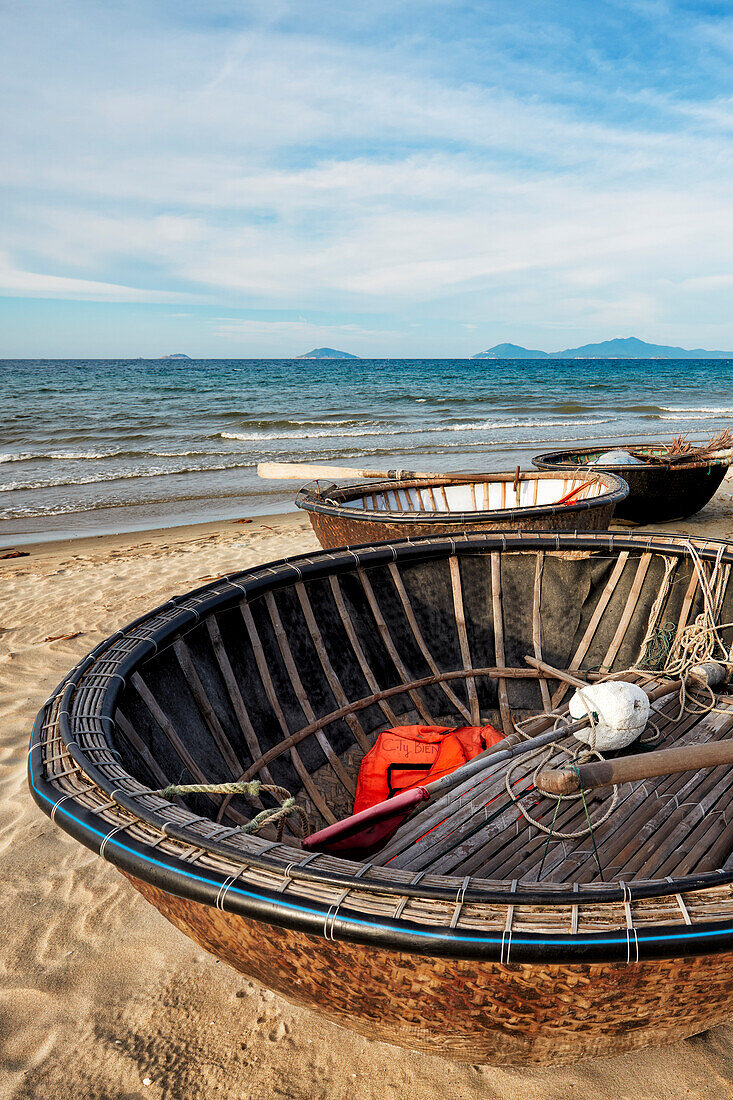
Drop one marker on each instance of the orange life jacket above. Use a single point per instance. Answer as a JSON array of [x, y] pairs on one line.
[[410, 756]]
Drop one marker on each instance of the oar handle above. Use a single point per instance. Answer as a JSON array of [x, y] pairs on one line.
[[626, 769], [366, 821]]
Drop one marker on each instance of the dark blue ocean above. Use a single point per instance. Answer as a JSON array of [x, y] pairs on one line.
[[100, 446]]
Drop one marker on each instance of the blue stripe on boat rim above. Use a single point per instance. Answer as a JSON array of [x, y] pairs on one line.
[[452, 934]]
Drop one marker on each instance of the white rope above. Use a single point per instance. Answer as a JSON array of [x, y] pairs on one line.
[[701, 640], [574, 759]]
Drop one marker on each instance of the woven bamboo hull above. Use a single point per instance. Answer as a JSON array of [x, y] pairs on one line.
[[493, 944], [657, 494], [464, 1009], [333, 531], [389, 510]]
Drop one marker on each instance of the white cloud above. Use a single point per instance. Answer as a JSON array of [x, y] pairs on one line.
[[294, 334], [32, 284], [267, 168]]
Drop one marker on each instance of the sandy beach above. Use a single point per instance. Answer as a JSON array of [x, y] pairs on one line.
[[100, 997]]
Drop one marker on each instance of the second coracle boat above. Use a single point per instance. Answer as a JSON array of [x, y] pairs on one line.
[[382, 511]]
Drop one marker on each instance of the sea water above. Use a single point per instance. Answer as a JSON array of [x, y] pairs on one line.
[[99, 446]]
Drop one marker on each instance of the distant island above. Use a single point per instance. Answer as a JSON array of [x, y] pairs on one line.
[[510, 351], [327, 353], [178, 355], [620, 348]]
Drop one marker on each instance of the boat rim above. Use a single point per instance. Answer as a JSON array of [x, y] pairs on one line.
[[615, 491], [146, 636]]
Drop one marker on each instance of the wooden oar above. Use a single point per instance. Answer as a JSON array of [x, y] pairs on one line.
[[367, 831], [626, 769], [370, 829], [667, 688], [306, 471]]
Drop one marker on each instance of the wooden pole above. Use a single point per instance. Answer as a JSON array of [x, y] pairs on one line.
[[629, 768], [307, 471]]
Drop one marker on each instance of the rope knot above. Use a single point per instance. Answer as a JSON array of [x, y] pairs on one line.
[[277, 815]]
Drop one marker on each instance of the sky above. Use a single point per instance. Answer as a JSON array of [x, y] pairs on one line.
[[409, 179]]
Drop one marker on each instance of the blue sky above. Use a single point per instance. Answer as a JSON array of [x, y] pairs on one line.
[[400, 178]]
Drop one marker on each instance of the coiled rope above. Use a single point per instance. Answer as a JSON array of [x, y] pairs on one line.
[[576, 756], [701, 640], [277, 815]]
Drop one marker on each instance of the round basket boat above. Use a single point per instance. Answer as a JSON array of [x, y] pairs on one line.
[[657, 493], [382, 511], [512, 948]]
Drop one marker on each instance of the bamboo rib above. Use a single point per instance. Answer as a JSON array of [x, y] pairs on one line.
[[458, 609], [204, 704], [169, 730], [141, 748], [269, 687], [235, 695], [392, 649], [358, 651], [687, 602], [600, 608], [506, 714], [537, 625], [631, 601], [409, 612], [333, 681], [302, 696]]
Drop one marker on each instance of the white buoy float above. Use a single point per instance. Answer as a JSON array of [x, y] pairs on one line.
[[617, 458], [619, 712]]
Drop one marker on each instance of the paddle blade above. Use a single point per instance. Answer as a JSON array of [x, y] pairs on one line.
[[363, 833]]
